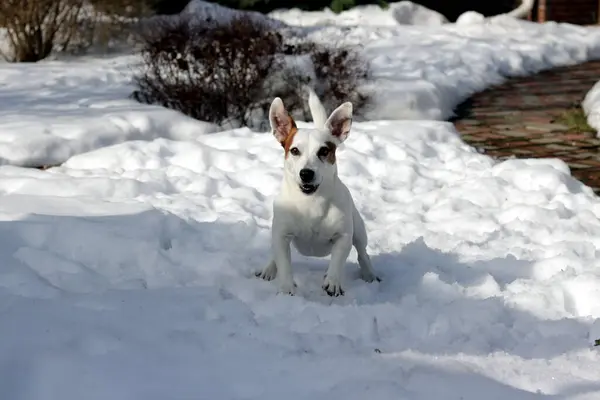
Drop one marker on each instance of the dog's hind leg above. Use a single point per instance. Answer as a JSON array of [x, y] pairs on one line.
[[367, 273], [269, 272], [359, 241]]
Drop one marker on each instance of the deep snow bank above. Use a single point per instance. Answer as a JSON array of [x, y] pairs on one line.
[[128, 273]]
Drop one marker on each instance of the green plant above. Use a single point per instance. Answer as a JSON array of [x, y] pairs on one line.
[[575, 119], [246, 4], [337, 6]]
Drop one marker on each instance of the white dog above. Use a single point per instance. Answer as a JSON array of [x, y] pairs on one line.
[[314, 209]]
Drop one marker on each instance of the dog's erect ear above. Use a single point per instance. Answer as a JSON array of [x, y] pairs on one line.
[[282, 123], [340, 121]]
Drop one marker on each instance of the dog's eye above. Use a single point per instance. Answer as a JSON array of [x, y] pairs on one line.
[[294, 151], [323, 152]]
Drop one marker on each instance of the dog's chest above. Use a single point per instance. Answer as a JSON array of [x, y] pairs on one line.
[[316, 229]]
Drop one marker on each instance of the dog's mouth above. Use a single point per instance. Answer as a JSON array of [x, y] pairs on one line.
[[308, 188]]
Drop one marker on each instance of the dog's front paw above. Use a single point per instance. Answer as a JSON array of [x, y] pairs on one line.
[[287, 288], [333, 287], [268, 273]]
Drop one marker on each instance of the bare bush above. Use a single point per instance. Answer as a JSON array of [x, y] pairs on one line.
[[212, 73], [339, 71], [35, 27], [229, 72], [109, 25]]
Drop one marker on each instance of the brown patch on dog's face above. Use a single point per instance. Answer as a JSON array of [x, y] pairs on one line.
[[289, 139], [283, 125], [327, 152]]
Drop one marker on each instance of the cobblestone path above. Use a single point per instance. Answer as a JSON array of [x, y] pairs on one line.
[[521, 119]]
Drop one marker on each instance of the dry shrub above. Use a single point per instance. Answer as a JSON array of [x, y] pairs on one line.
[[35, 27], [339, 71], [110, 25], [229, 72], [212, 73]]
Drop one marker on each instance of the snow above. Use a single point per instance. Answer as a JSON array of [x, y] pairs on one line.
[[53, 110], [470, 18], [206, 11], [127, 272], [419, 73], [402, 12], [424, 72], [409, 13], [591, 106], [367, 15]]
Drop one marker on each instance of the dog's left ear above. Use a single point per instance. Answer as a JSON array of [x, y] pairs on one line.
[[340, 121], [282, 123]]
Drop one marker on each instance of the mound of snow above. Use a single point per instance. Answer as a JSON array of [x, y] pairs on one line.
[[363, 16], [591, 107], [128, 273], [207, 11], [470, 18], [201, 12], [424, 73], [409, 13], [403, 13], [52, 110]]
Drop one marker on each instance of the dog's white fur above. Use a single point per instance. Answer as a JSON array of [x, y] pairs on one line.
[[322, 223]]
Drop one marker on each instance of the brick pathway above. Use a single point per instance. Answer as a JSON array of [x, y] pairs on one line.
[[519, 119]]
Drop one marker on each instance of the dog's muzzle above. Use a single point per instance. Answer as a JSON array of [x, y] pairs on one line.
[[307, 188], [307, 176]]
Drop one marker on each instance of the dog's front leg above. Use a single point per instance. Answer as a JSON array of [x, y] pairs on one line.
[[339, 254], [283, 260]]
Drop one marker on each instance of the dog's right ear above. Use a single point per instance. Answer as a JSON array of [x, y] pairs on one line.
[[282, 123], [340, 121]]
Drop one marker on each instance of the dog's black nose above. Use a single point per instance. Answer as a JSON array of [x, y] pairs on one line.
[[307, 175]]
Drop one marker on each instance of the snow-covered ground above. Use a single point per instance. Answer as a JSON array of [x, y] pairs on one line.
[[50, 111], [403, 12], [424, 72], [127, 272]]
